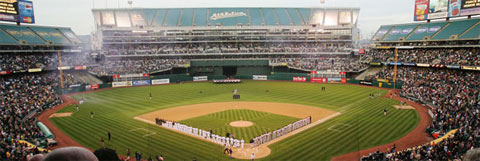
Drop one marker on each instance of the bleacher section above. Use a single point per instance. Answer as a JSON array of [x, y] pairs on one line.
[[5, 39], [36, 35], [381, 33], [399, 32], [23, 34], [256, 17], [426, 30], [51, 35], [473, 33], [465, 29], [188, 17], [455, 28]]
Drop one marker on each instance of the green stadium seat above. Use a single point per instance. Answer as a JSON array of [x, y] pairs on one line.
[[5, 39], [455, 28], [473, 33], [400, 31], [381, 33], [51, 35], [256, 17], [283, 17], [23, 33], [305, 12], [200, 17], [270, 18], [150, 15], [159, 17], [428, 29], [187, 17], [172, 17]]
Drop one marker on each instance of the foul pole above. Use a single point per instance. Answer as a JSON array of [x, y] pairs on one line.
[[59, 56], [395, 69]]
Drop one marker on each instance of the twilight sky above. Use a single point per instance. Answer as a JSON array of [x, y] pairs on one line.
[[77, 13]]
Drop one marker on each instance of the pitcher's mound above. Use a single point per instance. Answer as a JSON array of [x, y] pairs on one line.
[[241, 123]]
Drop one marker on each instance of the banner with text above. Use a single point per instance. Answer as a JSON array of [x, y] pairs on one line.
[[300, 79], [260, 77], [160, 81], [319, 80], [141, 83], [122, 84], [200, 78]]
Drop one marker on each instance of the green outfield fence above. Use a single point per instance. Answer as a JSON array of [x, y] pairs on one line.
[[282, 76]]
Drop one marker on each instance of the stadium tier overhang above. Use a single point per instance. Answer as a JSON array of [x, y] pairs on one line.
[[225, 18], [455, 30]]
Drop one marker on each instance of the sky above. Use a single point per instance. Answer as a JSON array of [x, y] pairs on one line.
[[77, 13]]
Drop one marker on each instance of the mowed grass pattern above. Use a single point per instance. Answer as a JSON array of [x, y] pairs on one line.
[[114, 111], [219, 123]]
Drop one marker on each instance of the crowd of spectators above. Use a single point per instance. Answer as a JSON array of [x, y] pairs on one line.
[[460, 56], [200, 48], [135, 66], [453, 96], [21, 61], [323, 63], [22, 96]]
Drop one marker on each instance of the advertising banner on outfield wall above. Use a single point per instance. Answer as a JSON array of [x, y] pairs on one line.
[[200, 78], [260, 77], [300, 79], [122, 84], [160, 81], [368, 83], [141, 83], [319, 80], [423, 65]]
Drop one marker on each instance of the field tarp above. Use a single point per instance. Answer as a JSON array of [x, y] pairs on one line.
[[46, 131]]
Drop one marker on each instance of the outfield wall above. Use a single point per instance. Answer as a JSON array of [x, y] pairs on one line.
[[175, 78]]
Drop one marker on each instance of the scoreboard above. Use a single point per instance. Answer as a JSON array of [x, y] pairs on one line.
[[16, 11], [9, 10], [437, 9]]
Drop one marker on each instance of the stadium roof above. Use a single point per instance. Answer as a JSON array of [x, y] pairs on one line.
[[37, 35], [464, 29], [202, 17]]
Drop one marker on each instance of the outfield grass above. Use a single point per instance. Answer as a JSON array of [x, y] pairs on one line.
[[360, 126], [219, 123]]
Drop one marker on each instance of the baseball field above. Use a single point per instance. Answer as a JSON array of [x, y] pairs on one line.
[[360, 124]]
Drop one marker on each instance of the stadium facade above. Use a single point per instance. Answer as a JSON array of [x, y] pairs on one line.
[[332, 27]]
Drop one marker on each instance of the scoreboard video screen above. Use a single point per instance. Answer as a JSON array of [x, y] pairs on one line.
[[16, 11], [437, 9], [9, 10]]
